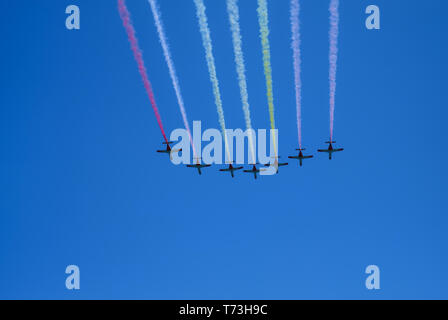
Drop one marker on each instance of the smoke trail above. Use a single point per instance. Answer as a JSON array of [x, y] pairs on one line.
[[127, 23], [172, 70], [234, 17], [295, 27], [264, 35], [207, 43], [333, 57]]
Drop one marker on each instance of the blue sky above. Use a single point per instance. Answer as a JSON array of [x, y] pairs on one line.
[[81, 183]]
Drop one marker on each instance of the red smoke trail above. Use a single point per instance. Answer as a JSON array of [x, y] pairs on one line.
[[127, 23], [333, 34]]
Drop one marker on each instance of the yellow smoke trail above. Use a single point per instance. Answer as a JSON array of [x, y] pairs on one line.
[[264, 35], [208, 47]]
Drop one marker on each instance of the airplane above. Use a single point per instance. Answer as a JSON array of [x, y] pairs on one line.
[[276, 164], [330, 149], [254, 170], [198, 166], [168, 149], [231, 169], [300, 157]]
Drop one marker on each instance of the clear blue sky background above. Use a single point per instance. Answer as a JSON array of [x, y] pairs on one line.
[[80, 182]]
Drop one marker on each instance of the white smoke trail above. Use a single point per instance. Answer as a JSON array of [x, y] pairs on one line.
[[172, 70], [333, 57], [207, 43], [234, 17], [295, 27]]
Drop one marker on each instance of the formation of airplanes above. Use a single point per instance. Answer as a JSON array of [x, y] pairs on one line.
[[231, 169], [330, 149], [276, 164], [198, 165], [254, 170], [300, 156], [168, 149]]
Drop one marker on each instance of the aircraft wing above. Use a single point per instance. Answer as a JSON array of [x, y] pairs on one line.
[[293, 157], [307, 157], [191, 166], [224, 170], [337, 150], [238, 168], [322, 150]]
